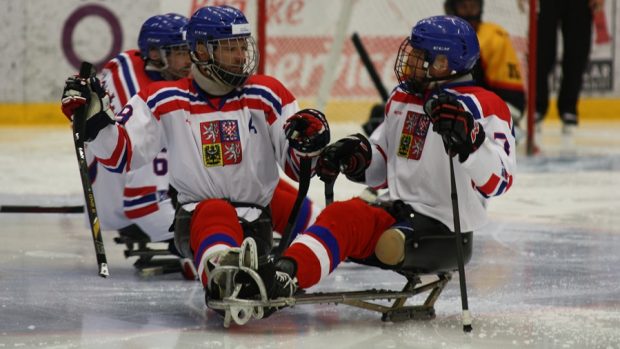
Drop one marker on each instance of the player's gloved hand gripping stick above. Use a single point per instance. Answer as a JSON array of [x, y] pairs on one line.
[[87, 73], [461, 135], [308, 133]]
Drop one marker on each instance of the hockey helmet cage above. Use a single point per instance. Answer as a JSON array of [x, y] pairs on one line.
[[449, 36], [213, 26]]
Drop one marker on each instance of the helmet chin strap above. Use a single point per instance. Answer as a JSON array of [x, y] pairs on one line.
[[451, 78], [208, 81], [434, 83]]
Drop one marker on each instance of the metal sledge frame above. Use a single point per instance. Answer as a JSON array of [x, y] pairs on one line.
[[139, 248], [241, 311], [145, 264], [397, 311]]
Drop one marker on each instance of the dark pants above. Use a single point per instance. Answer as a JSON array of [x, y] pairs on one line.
[[430, 246], [575, 20]]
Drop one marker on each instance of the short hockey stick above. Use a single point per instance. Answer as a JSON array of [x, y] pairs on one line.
[[459, 249], [305, 164], [79, 132], [40, 209]]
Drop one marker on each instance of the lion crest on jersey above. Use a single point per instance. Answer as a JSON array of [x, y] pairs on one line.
[[413, 135], [220, 143]]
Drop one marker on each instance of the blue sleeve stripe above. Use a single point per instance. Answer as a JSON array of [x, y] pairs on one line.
[[329, 241], [473, 108], [127, 73], [141, 200], [502, 187], [164, 94], [121, 166], [266, 95]]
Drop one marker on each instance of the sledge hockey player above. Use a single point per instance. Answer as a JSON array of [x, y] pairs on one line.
[[435, 113], [136, 202], [227, 132], [497, 70]]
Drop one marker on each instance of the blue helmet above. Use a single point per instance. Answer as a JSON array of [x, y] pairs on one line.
[[213, 26], [216, 22], [162, 31], [449, 36]]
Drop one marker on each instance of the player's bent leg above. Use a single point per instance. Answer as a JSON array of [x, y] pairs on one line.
[[347, 229], [214, 229]]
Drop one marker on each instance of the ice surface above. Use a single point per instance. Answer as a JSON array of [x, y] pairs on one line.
[[544, 272]]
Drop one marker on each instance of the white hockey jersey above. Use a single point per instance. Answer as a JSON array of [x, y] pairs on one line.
[[218, 147], [410, 158], [138, 196]]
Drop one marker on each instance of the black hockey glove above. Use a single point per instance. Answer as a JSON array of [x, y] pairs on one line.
[[350, 155], [307, 132], [80, 91], [461, 134]]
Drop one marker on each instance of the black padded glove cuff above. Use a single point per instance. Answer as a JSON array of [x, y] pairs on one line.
[[97, 123]]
